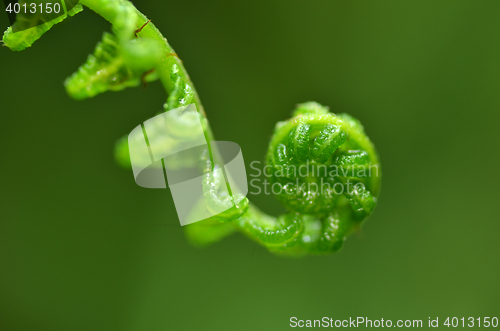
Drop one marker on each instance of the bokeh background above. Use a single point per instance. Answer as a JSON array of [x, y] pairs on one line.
[[82, 247]]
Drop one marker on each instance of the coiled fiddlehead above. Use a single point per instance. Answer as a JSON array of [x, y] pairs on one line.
[[325, 170], [324, 166], [315, 155]]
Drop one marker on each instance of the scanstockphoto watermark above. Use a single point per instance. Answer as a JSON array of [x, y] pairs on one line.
[[296, 176], [431, 322], [328, 322]]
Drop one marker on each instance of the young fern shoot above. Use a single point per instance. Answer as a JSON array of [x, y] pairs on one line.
[[343, 176]]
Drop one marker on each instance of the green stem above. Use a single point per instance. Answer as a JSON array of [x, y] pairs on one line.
[[170, 58]]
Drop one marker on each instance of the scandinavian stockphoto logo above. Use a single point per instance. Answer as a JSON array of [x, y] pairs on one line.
[[26, 14], [166, 151]]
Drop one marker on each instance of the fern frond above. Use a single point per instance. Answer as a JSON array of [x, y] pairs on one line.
[[28, 28]]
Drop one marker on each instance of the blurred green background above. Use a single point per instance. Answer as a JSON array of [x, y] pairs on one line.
[[82, 247]]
